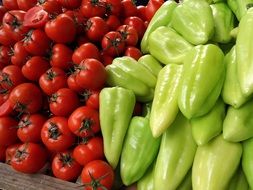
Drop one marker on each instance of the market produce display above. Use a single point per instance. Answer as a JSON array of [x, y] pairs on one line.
[[155, 97]]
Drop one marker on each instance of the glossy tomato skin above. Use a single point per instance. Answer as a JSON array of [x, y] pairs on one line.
[[90, 8], [152, 7], [72, 84], [26, 4], [129, 34], [26, 98], [36, 17], [56, 135], [62, 29], [8, 131], [142, 12], [87, 50], [129, 8], [2, 153], [5, 58], [35, 67], [20, 55], [91, 74], [29, 128], [5, 37], [10, 151], [65, 167], [136, 23], [10, 4], [70, 4], [84, 122], [29, 158], [91, 98], [89, 151], [113, 22], [133, 52], [106, 59], [52, 80], [60, 102], [97, 169], [51, 6]]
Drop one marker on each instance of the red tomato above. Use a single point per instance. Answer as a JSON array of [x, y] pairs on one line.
[[70, 4], [98, 175], [6, 108], [84, 121], [3, 10], [26, 4], [35, 67], [26, 98], [29, 128], [113, 22], [61, 56], [36, 17], [106, 59], [82, 40], [5, 53], [128, 8], [29, 158], [10, 4], [133, 52], [79, 20], [53, 7], [59, 102], [152, 7], [65, 167], [136, 23], [62, 29], [72, 83], [37, 42], [2, 153], [91, 98], [20, 55], [142, 12], [91, 8], [113, 44], [10, 151], [5, 37], [89, 151], [96, 28], [87, 50], [52, 80], [8, 131], [91, 74], [11, 76], [4, 95], [56, 135], [113, 7], [129, 34]]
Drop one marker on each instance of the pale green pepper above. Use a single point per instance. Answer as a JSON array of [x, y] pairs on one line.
[[247, 161]]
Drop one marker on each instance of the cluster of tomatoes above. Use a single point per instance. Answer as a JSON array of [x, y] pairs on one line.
[[53, 55]]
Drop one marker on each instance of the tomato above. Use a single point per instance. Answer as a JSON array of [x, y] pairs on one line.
[[36, 17], [6, 108], [91, 8], [29, 158], [84, 121], [37, 42], [106, 59], [52, 80], [87, 50], [133, 52], [4, 95], [29, 128], [89, 151], [26, 4], [72, 83], [62, 29], [61, 56], [3, 10], [91, 98], [53, 7], [113, 22], [65, 167], [70, 4], [113, 44], [142, 12], [136, 23], [129, 8], [20, 55], [56, 135], [10, 151], [96, 28], [152, 7], [2, 153], [26, 98], [11, 76], [113, 7], [35, 67], [5, 37], [59, 102], [79, 20], [98, 175], [8, 131], [82, 40], [10, 4], [129, 34], [5, 53]]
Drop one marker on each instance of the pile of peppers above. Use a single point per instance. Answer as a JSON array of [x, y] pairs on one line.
[[195, 83]]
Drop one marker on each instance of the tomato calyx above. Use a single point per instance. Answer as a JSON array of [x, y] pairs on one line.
[[51, 74], [97, 3], [85, 95], [95, 183], [28, 36], [54, 97], [53, 131], [66, 159], [20, 109], [6, 79], [86, 125], [3, 91], [83, 140], [15, 23], [21, 154], [24, 123], [113, 43], [124, 33]]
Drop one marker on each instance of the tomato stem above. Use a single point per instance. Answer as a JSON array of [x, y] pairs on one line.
[[53, 131]]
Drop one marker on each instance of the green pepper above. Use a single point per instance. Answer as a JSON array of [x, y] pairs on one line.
[[127, 73], [239, 7], [187, 182], [238, 181], [215, 164], [247, 160], [202, 80], [167, 46], [139, 150], [207, 127], [175, 156], [231, 92], [151, 63], [162, 17], [147, 181], [223, 22], [165, 108], [238, 123], [116, 107], [193, 19], [244, 44]]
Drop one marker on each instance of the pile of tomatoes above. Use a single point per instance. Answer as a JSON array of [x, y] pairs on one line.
[[53, 55]]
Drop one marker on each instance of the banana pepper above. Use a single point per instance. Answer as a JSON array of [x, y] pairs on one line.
[[238, 181], [187, 182], [239, 7], [247, 161], [147, 181], [151, 63]]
